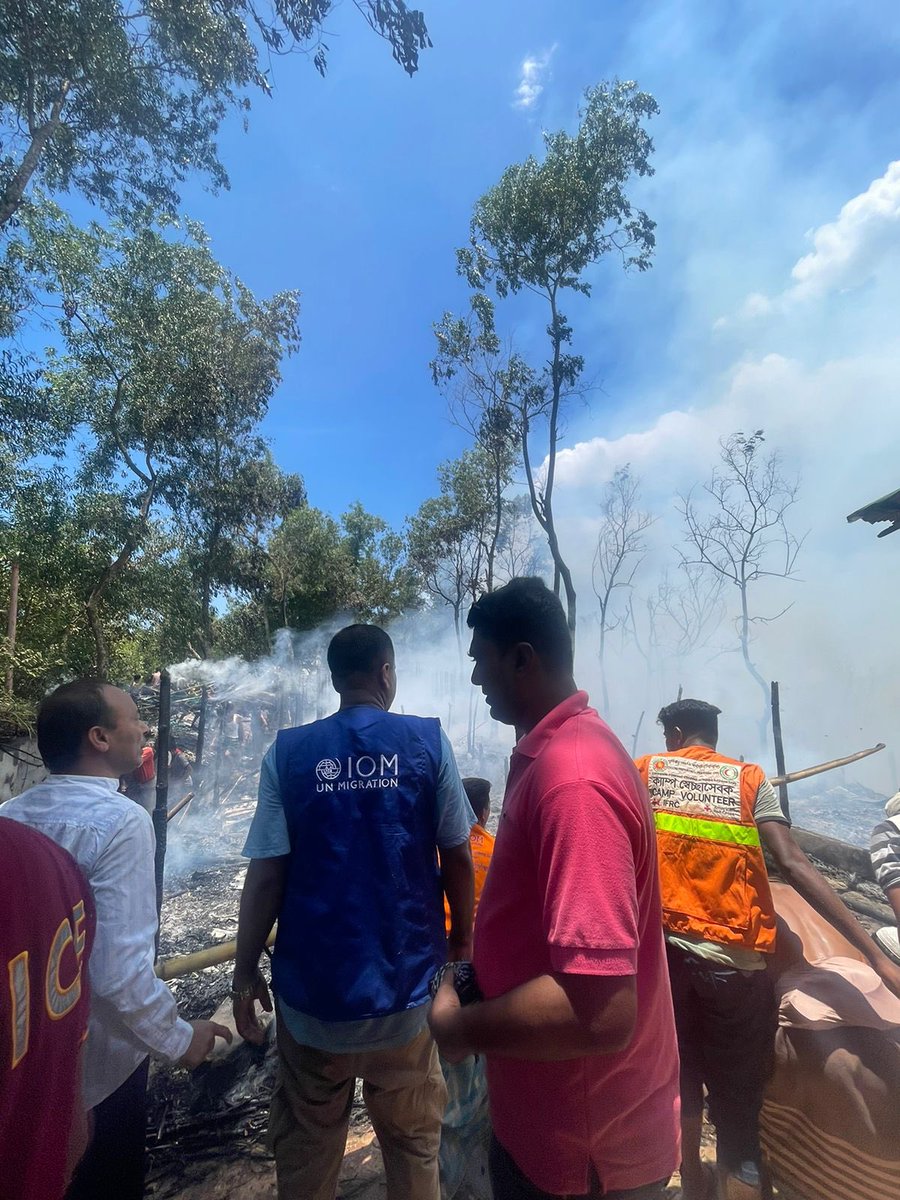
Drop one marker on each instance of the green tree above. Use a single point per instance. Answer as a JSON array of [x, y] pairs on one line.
[[230, 499], [384, 583], [119, 101], [540, 230], [308, 574], [452, 534], [163, 350]]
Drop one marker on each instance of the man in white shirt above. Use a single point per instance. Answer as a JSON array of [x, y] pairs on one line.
[[89, 734]]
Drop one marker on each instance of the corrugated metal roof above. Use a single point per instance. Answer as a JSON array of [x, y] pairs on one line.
[[885, 509]]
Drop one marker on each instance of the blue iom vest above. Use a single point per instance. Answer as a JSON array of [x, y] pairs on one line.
[[361, 929]]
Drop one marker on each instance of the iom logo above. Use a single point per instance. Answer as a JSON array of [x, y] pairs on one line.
[[328, 770], [358, 773]]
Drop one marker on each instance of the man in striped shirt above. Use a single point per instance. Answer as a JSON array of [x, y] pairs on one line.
[[885, 852]]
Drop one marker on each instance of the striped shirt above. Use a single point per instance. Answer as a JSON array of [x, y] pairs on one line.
[[885, 852]]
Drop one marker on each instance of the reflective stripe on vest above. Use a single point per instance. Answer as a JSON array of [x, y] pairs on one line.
[[711, 831]]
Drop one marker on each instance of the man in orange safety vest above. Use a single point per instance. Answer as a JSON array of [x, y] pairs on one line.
[[714, 816]]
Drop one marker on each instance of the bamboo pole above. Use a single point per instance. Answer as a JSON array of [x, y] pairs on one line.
[[177, 808], [211, 956], [794, 776]]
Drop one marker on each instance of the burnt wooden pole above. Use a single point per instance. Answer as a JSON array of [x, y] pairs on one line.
[[220, 750], [779, 749], [201, 727], [634, 740], [160, 811], [12, 620]]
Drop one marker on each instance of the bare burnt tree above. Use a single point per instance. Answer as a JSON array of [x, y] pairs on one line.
[[520, 549], [736, 528], [621, 548], [690, 608]]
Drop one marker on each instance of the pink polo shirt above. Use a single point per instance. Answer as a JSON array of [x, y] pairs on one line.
[[573, 888]]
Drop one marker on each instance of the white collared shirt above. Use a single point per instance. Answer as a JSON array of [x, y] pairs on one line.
[[133, 1013]]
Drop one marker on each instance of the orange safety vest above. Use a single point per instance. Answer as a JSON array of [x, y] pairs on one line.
[[482, 844], [713, 875]]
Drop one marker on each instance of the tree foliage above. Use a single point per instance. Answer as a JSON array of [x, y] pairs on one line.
[[539, 230], [120, 101], [164, 353], [452, 534]]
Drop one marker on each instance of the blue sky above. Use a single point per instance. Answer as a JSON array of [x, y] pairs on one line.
[[772, 302], [357, 188]]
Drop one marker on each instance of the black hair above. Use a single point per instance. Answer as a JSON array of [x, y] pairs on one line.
[[64, 718], [525, 610], [479, 793], [695, 718], [358, 650]]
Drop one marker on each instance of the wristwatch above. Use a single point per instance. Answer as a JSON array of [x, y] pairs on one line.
[[245, 993]]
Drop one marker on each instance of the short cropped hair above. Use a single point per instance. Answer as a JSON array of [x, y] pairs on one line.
[[525, 610], [359, 650], [479, 793], [695, 718], [64, 718]]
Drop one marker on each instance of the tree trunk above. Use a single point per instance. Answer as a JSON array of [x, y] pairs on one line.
[[111, 572], [763, 724], [498, 521], [604, 686], [458, 628], [12, 621], [13, 195], [561, 570], [266, 627], [543, 512]]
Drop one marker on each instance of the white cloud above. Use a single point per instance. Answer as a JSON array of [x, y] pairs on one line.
[[848, 250], [846, 254], [531, 79]]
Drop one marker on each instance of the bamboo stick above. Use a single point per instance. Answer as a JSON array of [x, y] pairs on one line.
[[177, 808], [211, 956], [794, 776]]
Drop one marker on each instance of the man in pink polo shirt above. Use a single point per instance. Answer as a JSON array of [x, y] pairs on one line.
[[577, 1024]]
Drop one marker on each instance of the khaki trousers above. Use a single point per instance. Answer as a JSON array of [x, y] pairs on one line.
[[405, 1095]]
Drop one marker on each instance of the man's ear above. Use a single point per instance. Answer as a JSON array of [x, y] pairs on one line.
[[524, 656], [384, 675], [97, 739]]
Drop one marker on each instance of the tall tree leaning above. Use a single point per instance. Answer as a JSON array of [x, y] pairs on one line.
[[540, 229]]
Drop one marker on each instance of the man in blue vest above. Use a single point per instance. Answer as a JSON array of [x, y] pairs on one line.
[[343, 846]]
